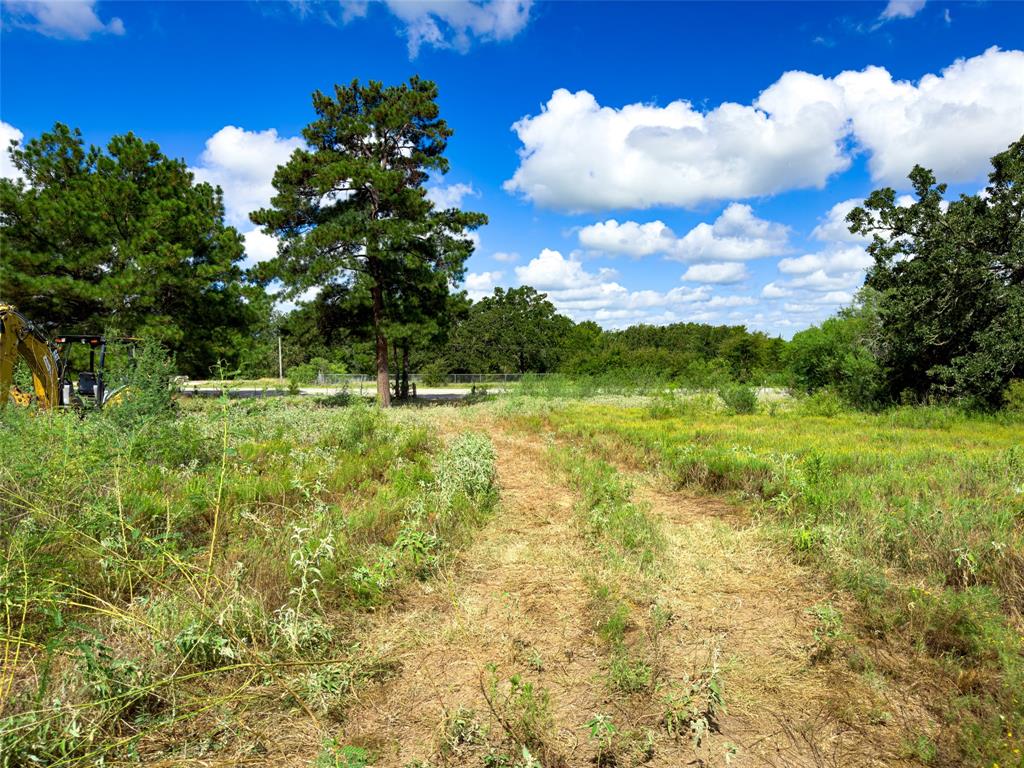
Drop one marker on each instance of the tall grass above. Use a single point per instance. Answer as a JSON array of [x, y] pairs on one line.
[[917, 512], [161, 575]]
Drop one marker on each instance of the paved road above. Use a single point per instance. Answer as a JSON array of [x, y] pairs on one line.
[[438, 394]]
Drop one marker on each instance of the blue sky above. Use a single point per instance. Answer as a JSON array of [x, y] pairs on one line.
[[639, 162]]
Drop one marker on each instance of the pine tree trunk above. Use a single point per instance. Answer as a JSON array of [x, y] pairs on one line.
[[383, 380], [405, 370]]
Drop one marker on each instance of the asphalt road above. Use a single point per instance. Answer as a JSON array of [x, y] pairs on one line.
[[425, 393]]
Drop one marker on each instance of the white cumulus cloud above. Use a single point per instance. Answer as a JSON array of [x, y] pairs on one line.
[[444, 24], [833, 226], [61, 19], [902, 9], [450, 196], [716, 302], [480, 284], [578, 155], [8, 133], [597, 295], [630, 238], [775, 291], [552, 270], [716, 273], [975, 105], [258, 247], [736, 235], [242, 163], [839, 260]]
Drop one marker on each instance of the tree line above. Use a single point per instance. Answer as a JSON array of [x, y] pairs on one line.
[[518, 330], [123, 239]]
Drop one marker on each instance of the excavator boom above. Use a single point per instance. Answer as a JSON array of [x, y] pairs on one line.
[[19, 337]]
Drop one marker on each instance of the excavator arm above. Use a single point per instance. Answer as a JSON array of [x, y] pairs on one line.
[[19, 337]]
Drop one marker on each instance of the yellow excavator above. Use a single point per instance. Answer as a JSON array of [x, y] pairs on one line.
[[47, 362]]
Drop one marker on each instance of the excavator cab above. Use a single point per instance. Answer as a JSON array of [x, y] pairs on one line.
[[90, 383]]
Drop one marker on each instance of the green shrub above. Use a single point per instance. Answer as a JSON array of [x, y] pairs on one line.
[[824, 402], [434, 374], [664, 405], [147, 395], [1013, 396], [739, 398], [925, 417]]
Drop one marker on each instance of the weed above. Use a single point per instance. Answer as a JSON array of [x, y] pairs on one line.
[[828, 630], [627, 674], [524, 713], [620, 527], [602, 732], [911, 511], [664, 405], [189, 558], [333, 754], [921, 748], [824, 403], [692, 708], [739, 399], [461, 728]]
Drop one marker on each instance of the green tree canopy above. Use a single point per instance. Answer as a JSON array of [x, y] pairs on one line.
[[123, 239], [514, 331], [840, 353], [950, 283], [351, 208]]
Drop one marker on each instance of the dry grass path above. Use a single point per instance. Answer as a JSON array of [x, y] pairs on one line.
[[516, 599]]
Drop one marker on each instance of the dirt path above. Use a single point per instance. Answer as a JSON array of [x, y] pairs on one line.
[[791, 695], [516, 600]]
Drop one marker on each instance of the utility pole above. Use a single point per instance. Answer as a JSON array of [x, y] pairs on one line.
[[280, 366]]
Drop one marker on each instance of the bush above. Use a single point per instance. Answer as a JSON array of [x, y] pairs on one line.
[[739, 398], [1013, 396], [147, 394], [824, 402], [434, 374]]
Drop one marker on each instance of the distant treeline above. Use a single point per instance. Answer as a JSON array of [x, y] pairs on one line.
[[519, 331]]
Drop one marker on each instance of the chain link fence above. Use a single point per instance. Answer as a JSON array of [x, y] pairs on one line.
[[342, 379]]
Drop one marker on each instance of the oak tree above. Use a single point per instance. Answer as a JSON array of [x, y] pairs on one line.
[[950, 281]]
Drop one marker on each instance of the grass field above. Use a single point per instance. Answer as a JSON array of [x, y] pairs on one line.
[[522, 582], [916, 513]]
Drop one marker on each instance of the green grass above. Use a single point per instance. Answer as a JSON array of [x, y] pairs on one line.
[[160, 578], [916, 512]]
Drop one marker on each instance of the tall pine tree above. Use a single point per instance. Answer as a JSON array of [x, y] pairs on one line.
[[352, 207]]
